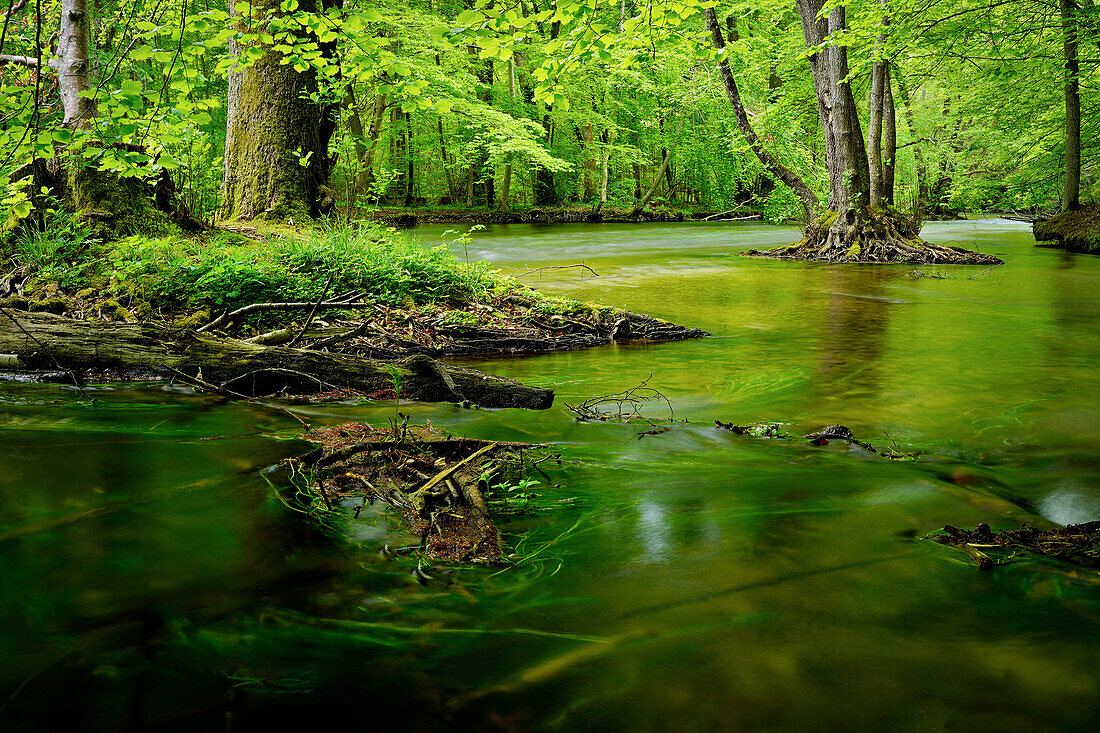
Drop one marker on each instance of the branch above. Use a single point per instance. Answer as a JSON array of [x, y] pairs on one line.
[[21, 60], [228, 317]]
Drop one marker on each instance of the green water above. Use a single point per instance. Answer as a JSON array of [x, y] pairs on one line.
[[691, 580]]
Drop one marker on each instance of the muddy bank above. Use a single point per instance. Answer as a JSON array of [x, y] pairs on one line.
[[1076, 231]]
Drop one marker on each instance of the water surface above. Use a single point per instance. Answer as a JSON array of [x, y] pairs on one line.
[[691, 580]]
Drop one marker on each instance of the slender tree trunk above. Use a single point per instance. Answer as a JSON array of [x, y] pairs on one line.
[[659, 176], [879, 73], [889, 142], [73, 64], [410, 181], [365, 141], [272, 125], [1071, 188], [506, 178], [788, 177], [918, 153], [608, 139]]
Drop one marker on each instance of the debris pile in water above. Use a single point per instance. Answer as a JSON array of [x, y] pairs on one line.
[[1078, 544], [438, 483]]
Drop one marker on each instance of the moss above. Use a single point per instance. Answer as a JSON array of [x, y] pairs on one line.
[[85, 293], [199, 318], [15, 302], [854, 251], [56, 305], [824, 221], [113, 206], [1077, 230]]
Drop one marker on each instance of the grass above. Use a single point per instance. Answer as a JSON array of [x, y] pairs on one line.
[[176, 275]]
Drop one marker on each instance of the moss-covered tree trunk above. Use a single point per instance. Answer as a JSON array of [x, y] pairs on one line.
[[1071, 188], [272, 127]]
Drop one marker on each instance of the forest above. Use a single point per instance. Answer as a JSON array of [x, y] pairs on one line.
[[275, 110], [521, 365]]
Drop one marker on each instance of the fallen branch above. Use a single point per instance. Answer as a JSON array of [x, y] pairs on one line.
[[145, 349], [557, 267], [230, 316]]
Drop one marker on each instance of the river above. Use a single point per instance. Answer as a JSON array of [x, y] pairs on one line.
[[686, 580]]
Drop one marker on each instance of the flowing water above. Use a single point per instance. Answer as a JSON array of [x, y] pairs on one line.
[[686, 580]]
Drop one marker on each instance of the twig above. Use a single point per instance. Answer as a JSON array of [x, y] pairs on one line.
[[558, 267], [256, 307], [313, 311]]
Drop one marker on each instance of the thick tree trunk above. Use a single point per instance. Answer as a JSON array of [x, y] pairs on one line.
[[272, 125], [1071, 188], [852, 189], [788, 177], [608, 139], [815, 30], [42, 341]]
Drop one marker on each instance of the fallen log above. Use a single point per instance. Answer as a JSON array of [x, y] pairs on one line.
[[45, 341]]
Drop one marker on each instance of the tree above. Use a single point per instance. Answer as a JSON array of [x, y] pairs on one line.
[[788, 177], [854, 228], [276, 149], [1071, 189]]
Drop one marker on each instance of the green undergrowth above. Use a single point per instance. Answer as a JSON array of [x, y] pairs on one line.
[[1077, 230], [178, 276]]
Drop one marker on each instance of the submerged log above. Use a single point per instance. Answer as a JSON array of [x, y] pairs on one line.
[[44, 341]]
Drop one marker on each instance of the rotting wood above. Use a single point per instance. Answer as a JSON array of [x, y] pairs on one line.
[[45, 341]]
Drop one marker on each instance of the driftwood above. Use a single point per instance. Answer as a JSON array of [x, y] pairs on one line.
[[44, 341]]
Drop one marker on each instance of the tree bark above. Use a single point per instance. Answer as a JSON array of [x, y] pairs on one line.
[[44, 341], [270, 120], [788, 177], [1071, 188]]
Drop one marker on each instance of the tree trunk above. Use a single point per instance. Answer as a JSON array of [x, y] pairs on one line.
[[889, 142], [506, 181], [659, 176], [608, 139], [1071, 188], [788, 177], [875, 173], [272, 126], [44, 341], [73, 64], [852, 231]]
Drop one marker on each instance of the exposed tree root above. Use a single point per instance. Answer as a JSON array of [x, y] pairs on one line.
[[871, 237]]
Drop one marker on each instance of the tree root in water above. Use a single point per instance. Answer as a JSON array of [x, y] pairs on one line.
[[871, 237], [822, 437]]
